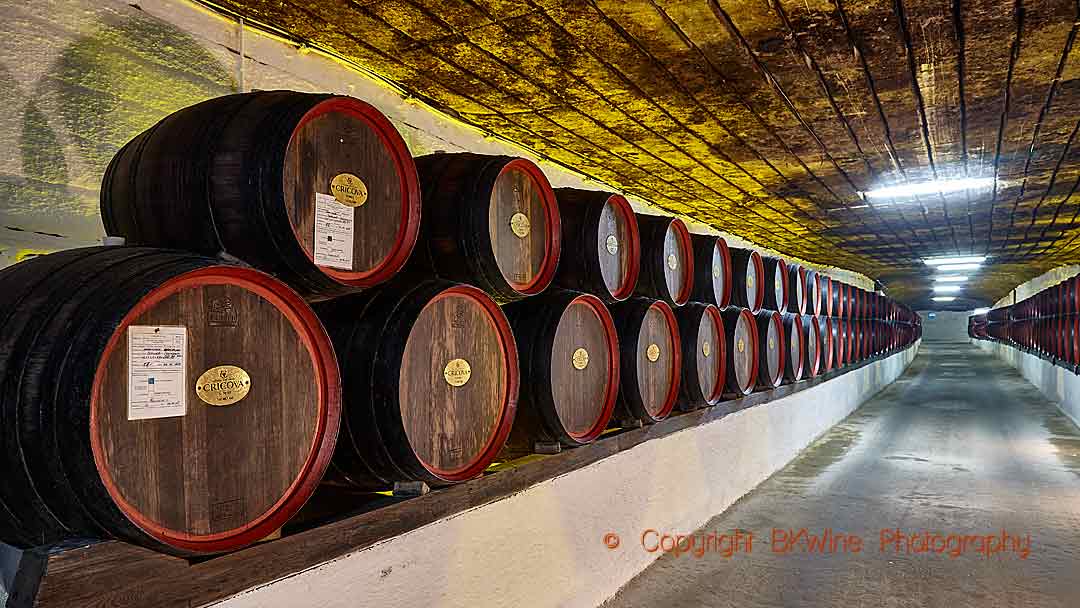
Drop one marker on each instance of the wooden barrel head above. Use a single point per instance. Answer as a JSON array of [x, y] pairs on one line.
[[755, 282], [795, 343], [351, 191], [744, 352], [780, 284], [457, 383], [710, 354], [721, 273], [215, 409], [799, 275], [678, 262], [813, 346], [772, 345], [584, 368], [828, 351], [523, 221], [618, 247], [658, 360]]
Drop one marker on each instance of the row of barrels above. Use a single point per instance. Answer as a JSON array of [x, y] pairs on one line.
[[282, 318], [1046, 323]]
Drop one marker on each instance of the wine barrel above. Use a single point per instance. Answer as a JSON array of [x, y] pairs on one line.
[[650, 360], [828, 343], [748, 284], [431, 381], [776, 284], [740, 330], [813, 349], [667, 260], [143, 398], [797, 291], [770, 327], [712, 270], [704, 355], [795, 359], [825, 294], [316, 189], [601, 231], [813, 295], [489, 221], [839, 299], [570, 370], [839, 342]]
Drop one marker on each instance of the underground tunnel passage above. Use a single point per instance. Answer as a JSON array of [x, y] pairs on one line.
[[588, 303]]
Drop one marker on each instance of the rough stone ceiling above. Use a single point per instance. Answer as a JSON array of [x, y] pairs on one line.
[[766, 119]]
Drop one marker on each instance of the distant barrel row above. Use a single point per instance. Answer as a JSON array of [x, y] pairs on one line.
[[1046, 323], [301, 302]]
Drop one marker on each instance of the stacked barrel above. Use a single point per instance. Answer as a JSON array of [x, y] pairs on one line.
[[301, 302], [1045, 324]]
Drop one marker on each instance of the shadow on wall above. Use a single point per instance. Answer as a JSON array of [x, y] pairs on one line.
[[100, 91]]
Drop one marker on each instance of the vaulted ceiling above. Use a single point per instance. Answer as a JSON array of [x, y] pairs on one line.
[[766, 119]]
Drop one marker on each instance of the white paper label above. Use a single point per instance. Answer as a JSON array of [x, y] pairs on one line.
[[334, 225], [157, 367]]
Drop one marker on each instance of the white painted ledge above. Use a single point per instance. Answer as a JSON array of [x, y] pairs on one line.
[[1056, 383], [544, 546]]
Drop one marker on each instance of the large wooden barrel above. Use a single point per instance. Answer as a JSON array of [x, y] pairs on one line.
[[795, 358], [813, 294], [828, 343], [431, 381], [704, 355], [650, 360], [798, 294], [569, 366], [318, 190], [839, 299], [489, 221], [740, 329], [813, 346], [159, 397], [712, 270], [825, 294], [840, 343], [600, 234], [748, 284], [667, 260], [776, 284], [772, 348]]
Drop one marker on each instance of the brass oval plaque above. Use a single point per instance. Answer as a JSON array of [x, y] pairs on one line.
[[457, 372], [653, 352], [716, 272], [223, 385], [519, 224], [742, 345], [349, 190], [672, 261], [772, 344], [778, 281], [612, 244], [749, 281], [581, 358], [706, 348]]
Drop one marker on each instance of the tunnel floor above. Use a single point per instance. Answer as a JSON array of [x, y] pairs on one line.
[[959, 483]]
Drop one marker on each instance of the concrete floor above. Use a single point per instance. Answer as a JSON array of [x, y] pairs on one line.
[[961, 445]]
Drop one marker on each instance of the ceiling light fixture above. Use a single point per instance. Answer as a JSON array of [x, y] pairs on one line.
[[980, 311], [944, 186], [953, 278], [947, 288], [944, 298], [967, 259], [952, 267]]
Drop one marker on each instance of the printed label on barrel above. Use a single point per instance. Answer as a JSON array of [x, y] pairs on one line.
[[672, 261], [653, 352], [457, 372], [612, 244], [519, 224], [334, 229], [223, 385], [581, 358], [706, 348], [157, 365], [349, 190]]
